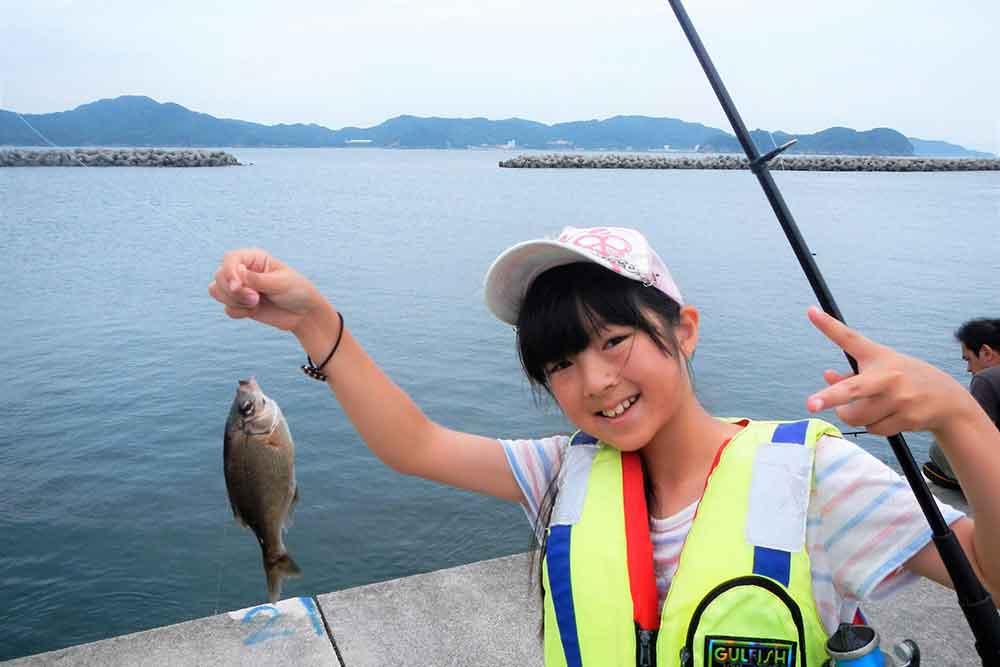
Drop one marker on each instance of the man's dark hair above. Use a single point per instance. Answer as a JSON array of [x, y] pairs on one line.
[[978, 332]]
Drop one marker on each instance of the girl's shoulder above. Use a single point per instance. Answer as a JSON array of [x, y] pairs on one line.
[[834, 452], [853, 488], [535, 462]]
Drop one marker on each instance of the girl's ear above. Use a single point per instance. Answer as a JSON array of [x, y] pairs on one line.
[[988, 354], [687, 330]]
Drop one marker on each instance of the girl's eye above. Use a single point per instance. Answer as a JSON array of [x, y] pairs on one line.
[[557, 366], [614, 341]]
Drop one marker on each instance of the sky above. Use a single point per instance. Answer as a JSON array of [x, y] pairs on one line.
[[927, 69]]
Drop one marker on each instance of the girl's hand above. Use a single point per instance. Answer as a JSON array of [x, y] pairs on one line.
[[892, 392], [252, 283]]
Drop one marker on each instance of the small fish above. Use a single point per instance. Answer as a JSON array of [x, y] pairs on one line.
[[259, 462]]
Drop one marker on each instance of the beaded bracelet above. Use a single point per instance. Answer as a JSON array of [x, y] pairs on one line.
[[316, 372]]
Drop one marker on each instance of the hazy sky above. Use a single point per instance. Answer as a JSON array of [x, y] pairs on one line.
[[928, 69]]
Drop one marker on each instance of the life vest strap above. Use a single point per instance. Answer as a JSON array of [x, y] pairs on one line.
[[561, 591], [639, 545]]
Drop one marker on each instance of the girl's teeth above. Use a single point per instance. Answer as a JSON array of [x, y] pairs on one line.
[[618, 409]]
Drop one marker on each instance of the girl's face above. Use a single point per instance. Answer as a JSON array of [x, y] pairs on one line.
[[622, 388]]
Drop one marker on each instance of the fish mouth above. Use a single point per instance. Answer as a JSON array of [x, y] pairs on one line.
[[250, 384]]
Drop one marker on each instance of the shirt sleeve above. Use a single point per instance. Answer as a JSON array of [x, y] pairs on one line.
[[986, 395], [869, 523], [535, 463]]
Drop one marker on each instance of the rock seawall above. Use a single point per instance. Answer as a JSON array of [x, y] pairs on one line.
[[110, 157], [782, 163]]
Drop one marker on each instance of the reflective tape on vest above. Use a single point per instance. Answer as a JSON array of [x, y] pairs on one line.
[[776, 563]]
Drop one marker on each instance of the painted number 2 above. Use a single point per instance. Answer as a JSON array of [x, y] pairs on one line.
[[266, 632], [272, 613]]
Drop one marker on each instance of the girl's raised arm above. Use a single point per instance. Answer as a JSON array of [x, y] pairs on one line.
[[253, 284], [893, 393]]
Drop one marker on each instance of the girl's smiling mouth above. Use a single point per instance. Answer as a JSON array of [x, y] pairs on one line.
[[620, 409]]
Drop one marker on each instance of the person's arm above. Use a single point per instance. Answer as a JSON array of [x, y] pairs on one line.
[[253, 284], [972, 445], [894, 393]]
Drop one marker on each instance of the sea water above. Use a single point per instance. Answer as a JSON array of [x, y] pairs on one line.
[[119, 369]]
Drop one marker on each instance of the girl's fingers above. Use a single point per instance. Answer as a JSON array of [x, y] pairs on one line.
[[850, 388], [234, 263], [867, 411], [889, 425], [238, 313], [833, 377], [844, 337], [242, 298], [263, 281]]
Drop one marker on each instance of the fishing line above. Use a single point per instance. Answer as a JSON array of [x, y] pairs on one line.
[[774, 144], [222, 557], [117, 188], [131, 196]]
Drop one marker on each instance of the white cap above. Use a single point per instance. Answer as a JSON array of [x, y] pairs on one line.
[[619, 249]]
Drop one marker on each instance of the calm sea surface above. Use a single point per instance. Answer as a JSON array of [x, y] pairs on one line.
[[119, 369]]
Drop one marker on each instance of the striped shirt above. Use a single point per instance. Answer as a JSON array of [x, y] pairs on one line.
[[863, 522]]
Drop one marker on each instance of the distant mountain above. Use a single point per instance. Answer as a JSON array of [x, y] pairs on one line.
[[832, 141], [924, 147], [141, 121], [633, 132]]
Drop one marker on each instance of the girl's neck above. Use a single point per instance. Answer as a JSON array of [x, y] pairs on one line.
[[680, 456]]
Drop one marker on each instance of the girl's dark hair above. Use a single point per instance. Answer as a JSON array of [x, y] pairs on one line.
[[561, 312], [976, 333]]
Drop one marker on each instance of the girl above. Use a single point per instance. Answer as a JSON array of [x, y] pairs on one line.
[[665, 530]]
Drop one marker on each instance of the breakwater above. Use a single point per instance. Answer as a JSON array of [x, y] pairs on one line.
[[112, 157], [782, 163]]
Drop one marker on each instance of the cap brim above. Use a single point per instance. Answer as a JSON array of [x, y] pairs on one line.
[[510, 275]]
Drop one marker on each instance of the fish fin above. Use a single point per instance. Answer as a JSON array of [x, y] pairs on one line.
[[276, 439], [283, 567], [226, 447], [289, 519], [237, 516]]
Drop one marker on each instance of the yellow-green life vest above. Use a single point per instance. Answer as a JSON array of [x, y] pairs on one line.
[[742, 594]]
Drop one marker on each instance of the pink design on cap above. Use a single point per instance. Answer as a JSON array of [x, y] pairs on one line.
[[622, 250], [603, 242]]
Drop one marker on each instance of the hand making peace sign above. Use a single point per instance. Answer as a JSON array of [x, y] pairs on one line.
[[892, 392]]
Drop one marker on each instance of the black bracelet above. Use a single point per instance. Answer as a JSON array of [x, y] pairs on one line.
[[316, 372]]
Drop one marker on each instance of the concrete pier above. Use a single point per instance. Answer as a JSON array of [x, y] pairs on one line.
[[482, 614], [109, 157], [782, 163]]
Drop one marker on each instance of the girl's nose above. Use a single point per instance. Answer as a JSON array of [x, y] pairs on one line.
[[598, 374]]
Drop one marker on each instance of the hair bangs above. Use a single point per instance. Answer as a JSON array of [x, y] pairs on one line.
[[566, 306], [550, 327]]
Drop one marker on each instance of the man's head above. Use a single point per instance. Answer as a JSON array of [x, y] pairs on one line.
[[980, 339]]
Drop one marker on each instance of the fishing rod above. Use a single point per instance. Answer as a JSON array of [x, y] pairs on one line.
[[975, 601]]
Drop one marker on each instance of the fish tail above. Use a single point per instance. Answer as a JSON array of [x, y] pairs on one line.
[[276, 571]]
